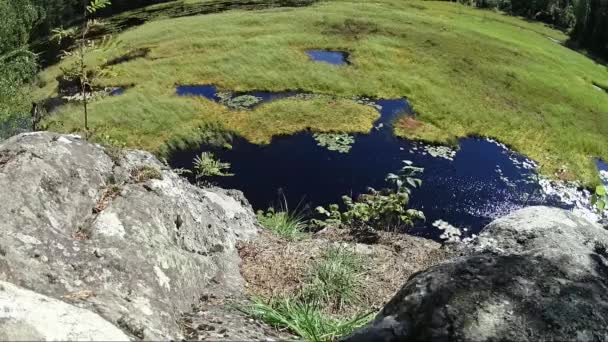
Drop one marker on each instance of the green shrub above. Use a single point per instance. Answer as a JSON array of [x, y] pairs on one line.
[[384, 209]]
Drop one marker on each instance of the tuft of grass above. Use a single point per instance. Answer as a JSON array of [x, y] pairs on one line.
[[146, 173], [304, 319], [289, 225], [335, 279]]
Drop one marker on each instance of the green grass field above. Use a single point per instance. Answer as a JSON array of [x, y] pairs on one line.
[[465, 71]]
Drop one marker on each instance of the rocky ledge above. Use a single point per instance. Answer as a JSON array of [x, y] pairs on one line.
[[97, 244], [539, 274], [103, 240]]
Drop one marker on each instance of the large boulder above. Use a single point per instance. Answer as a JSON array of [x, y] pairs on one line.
[[118, 234], [539, 274], [29, 316]]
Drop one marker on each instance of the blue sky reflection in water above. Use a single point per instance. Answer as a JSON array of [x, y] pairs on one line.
[[483, 181], [331, 57]]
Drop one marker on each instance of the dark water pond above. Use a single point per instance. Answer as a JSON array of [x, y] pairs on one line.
[[117, 91], [211, 92], [331, 57], [468, 188]]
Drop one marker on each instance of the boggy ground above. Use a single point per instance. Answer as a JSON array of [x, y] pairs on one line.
[[466, 72]]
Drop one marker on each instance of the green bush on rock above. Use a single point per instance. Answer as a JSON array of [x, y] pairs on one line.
[[384, 209]]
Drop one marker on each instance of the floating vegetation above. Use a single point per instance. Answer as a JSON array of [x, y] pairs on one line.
[[441, 152], [339, 142], [450, 233], [444, 152], [223, 96], [242, 102]]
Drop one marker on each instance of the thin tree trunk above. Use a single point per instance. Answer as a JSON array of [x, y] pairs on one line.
[[83, 75]]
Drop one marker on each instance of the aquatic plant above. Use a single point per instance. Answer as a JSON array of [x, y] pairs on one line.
[[242, 101], [384, 209], [223, 96], [206, 165], [339, 142]]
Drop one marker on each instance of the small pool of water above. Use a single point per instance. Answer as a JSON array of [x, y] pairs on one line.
[[117, 91], [331, 57], [206, 91], [468, 188]]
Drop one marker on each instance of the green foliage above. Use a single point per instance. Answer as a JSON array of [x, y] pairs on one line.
[[59, 34], [556, 12], [287, 224], [96, 5], [591, 23], [339, 142], [17, 62], [206, 165], [600, 198], [305, 319], [385, 209], [334, 279]]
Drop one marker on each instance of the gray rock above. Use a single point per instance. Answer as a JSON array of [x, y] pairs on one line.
[[122, 236], [29, 316], [539, 274]]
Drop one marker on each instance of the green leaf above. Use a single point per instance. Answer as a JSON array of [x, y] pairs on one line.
[[600, 190], [96, 5], [601, 204]]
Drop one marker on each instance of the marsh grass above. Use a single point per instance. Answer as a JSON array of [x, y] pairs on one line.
[[465, 71], [304, 318], [316, 312], [335, 279]]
